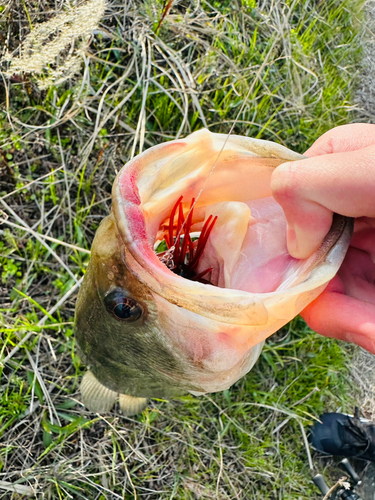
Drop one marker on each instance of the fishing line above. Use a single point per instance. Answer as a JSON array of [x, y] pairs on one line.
[[225, 142]]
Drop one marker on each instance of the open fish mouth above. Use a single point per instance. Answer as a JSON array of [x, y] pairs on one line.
[[195, 255], [246, 250]]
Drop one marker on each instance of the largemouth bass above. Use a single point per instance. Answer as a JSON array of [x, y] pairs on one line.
[[190, 272]]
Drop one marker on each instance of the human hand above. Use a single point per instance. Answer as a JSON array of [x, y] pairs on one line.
[[338, 176]]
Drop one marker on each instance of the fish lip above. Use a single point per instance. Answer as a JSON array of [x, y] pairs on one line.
[[239, 307]]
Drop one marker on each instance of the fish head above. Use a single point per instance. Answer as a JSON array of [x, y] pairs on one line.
[[158, 324]]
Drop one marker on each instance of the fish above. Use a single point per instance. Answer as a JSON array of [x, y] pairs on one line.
[[190, 273]]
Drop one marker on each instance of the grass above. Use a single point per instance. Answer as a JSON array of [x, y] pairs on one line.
[[293, 67]]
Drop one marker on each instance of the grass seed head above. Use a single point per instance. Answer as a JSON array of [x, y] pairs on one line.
[[53, 50]]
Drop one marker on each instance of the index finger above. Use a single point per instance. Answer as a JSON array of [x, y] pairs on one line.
[[310, 190], [343, 138]]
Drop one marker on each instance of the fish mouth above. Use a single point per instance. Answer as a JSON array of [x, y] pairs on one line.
[[241, 247], [246, 251]]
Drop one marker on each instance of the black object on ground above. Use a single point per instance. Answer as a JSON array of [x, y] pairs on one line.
[[343, 435]]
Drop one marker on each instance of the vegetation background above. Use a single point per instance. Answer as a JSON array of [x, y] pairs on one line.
[[85, 86]]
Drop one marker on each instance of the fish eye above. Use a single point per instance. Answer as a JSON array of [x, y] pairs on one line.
[[123, 307]]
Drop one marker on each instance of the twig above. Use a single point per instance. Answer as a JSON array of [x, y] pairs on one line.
[[340, 482], [167, 8]]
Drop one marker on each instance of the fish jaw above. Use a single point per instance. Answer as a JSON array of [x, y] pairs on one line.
[[191, 336], [146, 189]]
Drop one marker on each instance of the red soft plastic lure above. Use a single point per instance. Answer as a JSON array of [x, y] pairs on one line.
[[185, 254]]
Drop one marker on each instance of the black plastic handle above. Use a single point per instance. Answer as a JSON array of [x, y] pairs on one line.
[[321, 484], [345, 464]]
